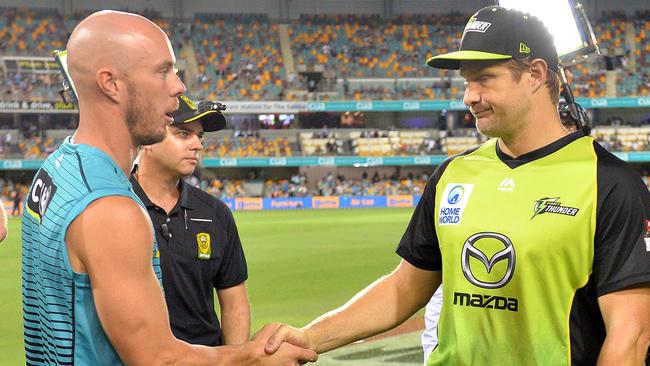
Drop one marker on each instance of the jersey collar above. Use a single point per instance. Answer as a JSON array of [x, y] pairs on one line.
[[513, 163], [185, 200]]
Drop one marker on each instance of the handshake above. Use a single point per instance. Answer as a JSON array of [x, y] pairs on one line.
[[282, 345]]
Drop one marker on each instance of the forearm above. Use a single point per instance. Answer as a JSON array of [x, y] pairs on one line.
[[235, 324], [235, 314], [182, 353], [624, 347], [381, 306], [3, 222]]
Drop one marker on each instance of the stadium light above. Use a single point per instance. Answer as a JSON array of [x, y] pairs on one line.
[[567, 22]]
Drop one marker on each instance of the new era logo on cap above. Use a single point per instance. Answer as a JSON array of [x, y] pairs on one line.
[[523, 48]]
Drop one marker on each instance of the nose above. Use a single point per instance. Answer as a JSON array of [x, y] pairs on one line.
[[197, 143], [178, 86], [472, 94]]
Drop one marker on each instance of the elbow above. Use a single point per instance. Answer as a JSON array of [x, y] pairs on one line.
[[644, 340]]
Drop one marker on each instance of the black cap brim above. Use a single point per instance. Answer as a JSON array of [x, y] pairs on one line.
[[210, 120], [451, 61]]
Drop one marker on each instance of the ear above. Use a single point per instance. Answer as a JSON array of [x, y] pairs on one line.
[[108, 84], [538, 73]]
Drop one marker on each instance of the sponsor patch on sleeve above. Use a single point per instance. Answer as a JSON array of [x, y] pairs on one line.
[[40, 195]]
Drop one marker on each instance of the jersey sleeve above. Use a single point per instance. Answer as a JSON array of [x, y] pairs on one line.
[[622, 239], [233, 269], [419, 244]]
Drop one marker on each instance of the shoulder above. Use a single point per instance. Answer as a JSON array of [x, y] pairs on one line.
[[98, 232], [96, 169], [102, 211], [439, 171], [206, 200], [615, 175]]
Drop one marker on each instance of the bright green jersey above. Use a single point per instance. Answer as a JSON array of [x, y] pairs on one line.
[[520, 243]]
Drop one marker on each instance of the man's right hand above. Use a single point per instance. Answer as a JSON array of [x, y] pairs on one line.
[[283, 345]]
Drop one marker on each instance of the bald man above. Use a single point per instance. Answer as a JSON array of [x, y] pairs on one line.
[[91, 277]]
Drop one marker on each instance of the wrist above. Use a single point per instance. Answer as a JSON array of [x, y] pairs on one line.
[[311, 336]]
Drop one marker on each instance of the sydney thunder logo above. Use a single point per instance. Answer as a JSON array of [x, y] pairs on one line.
[[554, 206]]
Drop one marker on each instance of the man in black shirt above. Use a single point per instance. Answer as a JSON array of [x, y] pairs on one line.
[[199, 245]]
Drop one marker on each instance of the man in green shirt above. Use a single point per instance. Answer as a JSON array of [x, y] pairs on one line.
[[541, 235]]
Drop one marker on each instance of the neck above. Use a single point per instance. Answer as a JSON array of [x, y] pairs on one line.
[[542, 126], [160, 186], [107, 134]]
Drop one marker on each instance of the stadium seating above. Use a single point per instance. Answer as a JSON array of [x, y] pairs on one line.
[[317, 144], [368, 46], [239, 57], [223, 188], [244, 147], [461, 140], [623, 138], [347, 46]]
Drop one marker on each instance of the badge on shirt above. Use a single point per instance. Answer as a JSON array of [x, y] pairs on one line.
[[453, 202], [203, 241]]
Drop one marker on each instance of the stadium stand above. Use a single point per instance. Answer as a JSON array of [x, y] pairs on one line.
[[368, 46], [387, 55], [320, 143], [239, 57], [223, 188], [250, 146], [252, 70], [623, 138], [364, 142]]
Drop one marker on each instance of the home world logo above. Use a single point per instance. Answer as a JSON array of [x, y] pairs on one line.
[[452, 203]]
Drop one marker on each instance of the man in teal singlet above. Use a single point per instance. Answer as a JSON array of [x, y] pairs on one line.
[[542, 237], [91, 280]]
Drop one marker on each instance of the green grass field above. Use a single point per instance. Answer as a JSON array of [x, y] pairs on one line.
[[301, 264]]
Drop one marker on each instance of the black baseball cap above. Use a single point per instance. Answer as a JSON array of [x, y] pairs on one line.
[[497, 33], [208, 112]]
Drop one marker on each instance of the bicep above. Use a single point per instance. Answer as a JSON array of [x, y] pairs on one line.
[[626, 308], [417, 284], [116, 251]]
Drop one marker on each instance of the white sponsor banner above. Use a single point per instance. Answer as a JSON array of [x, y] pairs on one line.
[[264, 107]]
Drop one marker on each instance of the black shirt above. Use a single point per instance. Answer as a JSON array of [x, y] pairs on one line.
[[200, 251]]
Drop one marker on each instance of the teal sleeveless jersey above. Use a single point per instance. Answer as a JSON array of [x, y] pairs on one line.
[[61, 325], [526, 246]]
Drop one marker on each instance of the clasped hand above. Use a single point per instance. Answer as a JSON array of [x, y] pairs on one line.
[[285, 344]]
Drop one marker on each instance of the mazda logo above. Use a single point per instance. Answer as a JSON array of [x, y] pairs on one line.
[[470, 250]]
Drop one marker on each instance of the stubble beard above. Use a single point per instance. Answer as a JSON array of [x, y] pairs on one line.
[[140, 120]]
